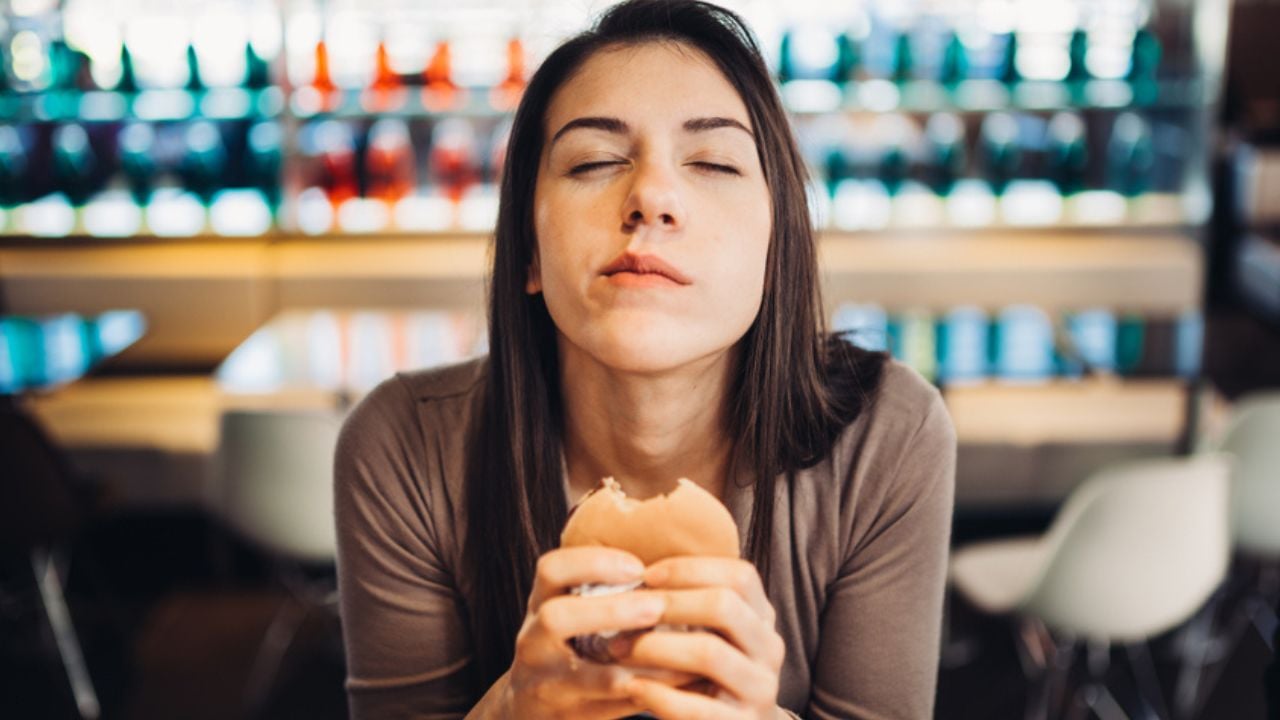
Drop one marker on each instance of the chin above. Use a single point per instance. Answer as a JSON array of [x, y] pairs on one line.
[[653, 347]]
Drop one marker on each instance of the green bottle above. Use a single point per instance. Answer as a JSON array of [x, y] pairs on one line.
[[194, 83], [128, 82], [1130, 339], [137, 143], [74, 164], [258, 75], [955, 62]]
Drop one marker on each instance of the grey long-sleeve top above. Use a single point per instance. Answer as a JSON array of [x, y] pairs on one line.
[[858, 561]]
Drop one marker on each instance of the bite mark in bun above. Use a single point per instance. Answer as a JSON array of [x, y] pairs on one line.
[[686, 521]]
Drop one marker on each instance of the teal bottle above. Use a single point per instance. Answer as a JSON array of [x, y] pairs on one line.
[[1008, 73], [1001, 152], [137, 160], [1130, 155], [955, 62], [258, 74], [946, 156], [1078, 48], [1144, 65], [1068, 155], [849, 59], [204, 163], [265, 159], [128, 82], [13, 167], [903, 58], [194, 83], [1130, 340], [74, 164]]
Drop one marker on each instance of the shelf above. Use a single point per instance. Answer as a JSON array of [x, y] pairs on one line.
[[979, 96], [180, 413], [1086, 411], [1159, 274], [147, 105], [202, 297]]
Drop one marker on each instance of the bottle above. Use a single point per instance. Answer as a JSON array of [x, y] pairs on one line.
[[945, 154], [74, 163], [137, 143], [265, 161], [257, 74], [962, 345], [453, 158], [385, 91], [14, 154], [1068, 152], [506, 95], [1130, 155], [1001, 151], [389, 161], [439, 92], [204, 163]]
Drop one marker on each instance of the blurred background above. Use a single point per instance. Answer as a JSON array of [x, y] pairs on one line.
[[222, 221]]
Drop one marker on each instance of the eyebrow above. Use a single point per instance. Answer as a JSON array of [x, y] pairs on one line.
[[614, 125]]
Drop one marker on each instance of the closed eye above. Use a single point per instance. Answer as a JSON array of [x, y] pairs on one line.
[[718, 168], [588, 167]]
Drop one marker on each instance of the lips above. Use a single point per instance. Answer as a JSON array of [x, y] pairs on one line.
[[645, 265]]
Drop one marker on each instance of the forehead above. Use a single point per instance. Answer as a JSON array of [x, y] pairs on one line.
[[660, 80]]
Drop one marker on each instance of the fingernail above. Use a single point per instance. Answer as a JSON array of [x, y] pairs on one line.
[[620, 646], [650, 607], [656, 575], [631, 567]]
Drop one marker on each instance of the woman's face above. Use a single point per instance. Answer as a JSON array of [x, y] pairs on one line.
[[651, 211]]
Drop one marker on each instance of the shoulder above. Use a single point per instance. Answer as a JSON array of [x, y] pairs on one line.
[[907, 403], [903, 444], [410, 413]]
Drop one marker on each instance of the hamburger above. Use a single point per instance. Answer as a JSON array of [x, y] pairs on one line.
[[686, 521]]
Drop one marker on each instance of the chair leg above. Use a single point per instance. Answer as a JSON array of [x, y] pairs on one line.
[[1046, 663], [275, 644], [1144, 671], [64, 633]]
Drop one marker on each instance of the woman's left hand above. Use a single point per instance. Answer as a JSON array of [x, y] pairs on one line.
[[738, 650]]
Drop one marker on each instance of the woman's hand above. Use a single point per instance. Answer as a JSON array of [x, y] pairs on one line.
[[547, 679], [741, 656]]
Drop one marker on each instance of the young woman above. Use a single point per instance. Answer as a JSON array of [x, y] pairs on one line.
[[653, 314]]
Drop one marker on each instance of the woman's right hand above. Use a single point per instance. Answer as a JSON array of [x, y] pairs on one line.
[[547, 680]]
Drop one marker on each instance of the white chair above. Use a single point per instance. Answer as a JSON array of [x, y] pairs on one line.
[[275, 489], [1133, 552], [1252, 437]]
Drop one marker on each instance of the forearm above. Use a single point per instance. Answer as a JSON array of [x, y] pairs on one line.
[[496, 703]]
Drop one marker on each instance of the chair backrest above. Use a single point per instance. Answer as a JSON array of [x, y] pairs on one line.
[[38, 503], [1136, 550], [1253, 437], [275, 480]]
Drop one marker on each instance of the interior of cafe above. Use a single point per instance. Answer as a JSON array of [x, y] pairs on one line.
[[223, 223]]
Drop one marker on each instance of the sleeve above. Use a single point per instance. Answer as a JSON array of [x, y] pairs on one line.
[[403, 628], [881, 627]]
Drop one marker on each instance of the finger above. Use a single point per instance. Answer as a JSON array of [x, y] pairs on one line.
[[700, 571], [725, 611], [607, 710], [559, 570], [565, 616], [669, 702], [709, 656]]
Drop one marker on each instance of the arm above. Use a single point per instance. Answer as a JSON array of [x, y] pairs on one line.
[[881, 629], [407, 647]]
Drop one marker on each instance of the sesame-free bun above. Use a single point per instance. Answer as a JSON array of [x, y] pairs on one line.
[[685, 521]]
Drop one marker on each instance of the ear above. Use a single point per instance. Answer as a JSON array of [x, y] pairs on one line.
[[533, 279]]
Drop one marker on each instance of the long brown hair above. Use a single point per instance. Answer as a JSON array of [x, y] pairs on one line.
[[794, 390]]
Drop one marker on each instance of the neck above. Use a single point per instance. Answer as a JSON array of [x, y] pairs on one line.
[[645, 430]]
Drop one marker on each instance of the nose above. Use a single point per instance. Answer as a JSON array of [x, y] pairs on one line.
[[654, 199]]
